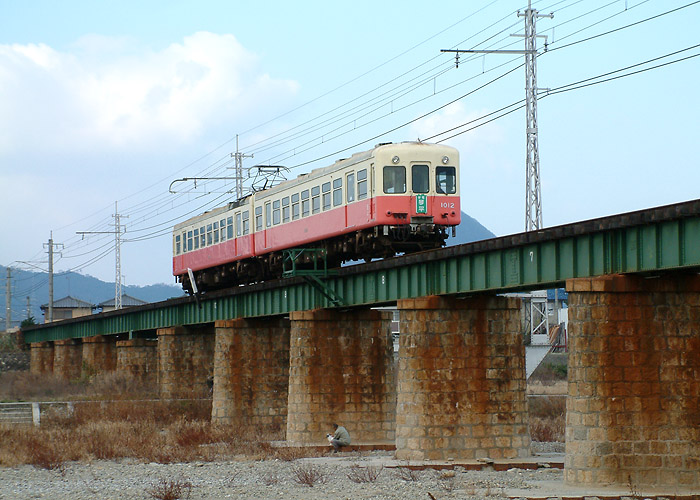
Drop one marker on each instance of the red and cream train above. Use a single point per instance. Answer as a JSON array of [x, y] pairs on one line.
[[391, 199]]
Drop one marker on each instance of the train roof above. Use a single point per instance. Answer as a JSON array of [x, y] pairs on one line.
[[338, 165], [302, 178]]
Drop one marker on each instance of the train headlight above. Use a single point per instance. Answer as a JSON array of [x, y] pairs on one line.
[[395, 160], [445, 160]]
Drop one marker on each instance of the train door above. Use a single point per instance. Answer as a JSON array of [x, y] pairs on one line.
[[420, 188]]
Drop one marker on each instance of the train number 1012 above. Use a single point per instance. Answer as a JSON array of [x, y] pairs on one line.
[[447, 205]]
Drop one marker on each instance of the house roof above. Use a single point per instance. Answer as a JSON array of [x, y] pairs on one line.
[[68, 303], [127, 300]]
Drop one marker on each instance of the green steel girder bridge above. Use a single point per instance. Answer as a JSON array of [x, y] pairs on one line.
[[653, 241]]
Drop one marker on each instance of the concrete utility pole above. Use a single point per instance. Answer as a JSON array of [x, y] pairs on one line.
[[533, 194], [50, 246], [239, 170], [8, 301], [29, 313]]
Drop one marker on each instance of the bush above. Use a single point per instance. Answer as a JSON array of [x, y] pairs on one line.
[[547, 418]]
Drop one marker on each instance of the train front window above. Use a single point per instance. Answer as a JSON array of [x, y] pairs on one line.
[[446, 180], [420, 178], [394, 179]]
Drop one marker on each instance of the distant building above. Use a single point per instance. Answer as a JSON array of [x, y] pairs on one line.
[[127, 301], [67, 308]]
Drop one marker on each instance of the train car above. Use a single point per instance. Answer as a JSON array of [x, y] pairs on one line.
[[394, 198]]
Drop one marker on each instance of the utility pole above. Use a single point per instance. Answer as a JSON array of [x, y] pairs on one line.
[[29, 314], [533, 192], [239, 170], [50, 246], [117, 254], [8, 300]]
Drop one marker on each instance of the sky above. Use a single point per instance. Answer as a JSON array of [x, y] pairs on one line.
[[112, 102]]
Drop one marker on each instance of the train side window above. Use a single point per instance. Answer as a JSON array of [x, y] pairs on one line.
[[337, 192], [196, 239], [446, 180], [222, 228], [202, 237], [177, 245], [394, 179], [305, 203], [238, 224], [315, 199], [216, 232], [210, 237], [229, 228], [276, 212], [420, 178], [246, 224], [258, 219], [295, 206], [362, 184], [268, 214], [285, 209], [350, 188], [326, 190], [184, 242], [189, 241]]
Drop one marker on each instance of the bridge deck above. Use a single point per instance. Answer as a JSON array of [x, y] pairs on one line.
[[662, 239]]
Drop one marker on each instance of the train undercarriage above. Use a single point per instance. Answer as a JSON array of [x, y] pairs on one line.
[[373, 243]]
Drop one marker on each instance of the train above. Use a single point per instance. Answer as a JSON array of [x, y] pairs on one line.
[[394, 198]]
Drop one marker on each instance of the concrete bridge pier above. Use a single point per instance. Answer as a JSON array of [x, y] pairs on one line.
[[461, 379], [251, 374], [633, 411], [341, 371], [41, 358], [99, 354], [185, 361], [68, 358]]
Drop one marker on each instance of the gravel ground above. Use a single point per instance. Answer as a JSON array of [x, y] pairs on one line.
[[271, 479]]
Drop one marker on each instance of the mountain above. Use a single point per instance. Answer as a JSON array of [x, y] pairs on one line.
[[469, 230], [35, 285]]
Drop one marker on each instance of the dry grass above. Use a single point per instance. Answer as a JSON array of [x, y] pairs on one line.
[[114, 427], [170, 489], [547, 418], [308, 474], [25, 386], [367, 474]]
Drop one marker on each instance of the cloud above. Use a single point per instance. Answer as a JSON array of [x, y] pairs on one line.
[[132, 96]]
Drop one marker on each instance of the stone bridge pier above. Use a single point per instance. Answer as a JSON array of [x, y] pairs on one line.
[[341, 371], [251, 374], [633, 411], [185, 361], [461, 380]]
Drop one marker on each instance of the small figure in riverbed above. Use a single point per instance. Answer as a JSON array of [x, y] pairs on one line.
[[340, 438]]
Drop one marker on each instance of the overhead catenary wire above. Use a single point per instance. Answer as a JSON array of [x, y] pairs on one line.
[[150, 206]]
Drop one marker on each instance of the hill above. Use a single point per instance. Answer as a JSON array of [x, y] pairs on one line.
[[35, 285], [469, 230]]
